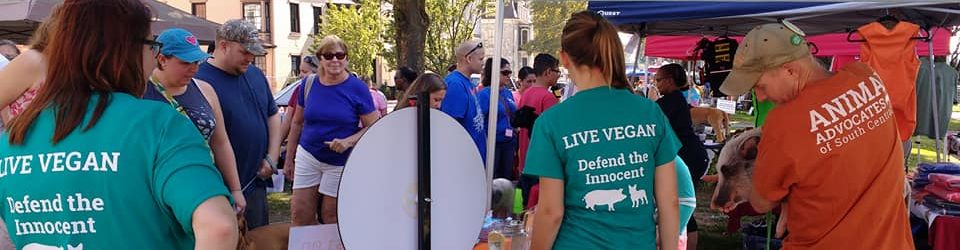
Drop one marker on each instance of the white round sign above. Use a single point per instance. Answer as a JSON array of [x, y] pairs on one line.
[[377, 201]]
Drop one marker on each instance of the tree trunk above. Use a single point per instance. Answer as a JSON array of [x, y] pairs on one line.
[[411, 22]]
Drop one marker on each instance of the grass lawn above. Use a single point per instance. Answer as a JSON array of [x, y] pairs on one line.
[[279, 204]]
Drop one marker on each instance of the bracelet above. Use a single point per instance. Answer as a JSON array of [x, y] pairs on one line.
[[273, 165], [235, 190]]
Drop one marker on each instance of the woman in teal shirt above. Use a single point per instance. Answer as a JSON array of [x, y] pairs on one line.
[[119, 171], [605, 157]]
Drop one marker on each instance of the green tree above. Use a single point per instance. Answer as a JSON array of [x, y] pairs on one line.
[[361, 27], [451, 23], [549, 17]]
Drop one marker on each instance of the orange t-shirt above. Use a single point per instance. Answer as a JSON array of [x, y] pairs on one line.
[[833, 155], [894, 56]]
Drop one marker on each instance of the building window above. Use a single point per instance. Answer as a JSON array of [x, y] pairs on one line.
[[524, 61], [253, 12], [258, 14], [260, 62], [524, 37], [317, 19], [294, 17], [199, 9], [295, 63], [266, 18]]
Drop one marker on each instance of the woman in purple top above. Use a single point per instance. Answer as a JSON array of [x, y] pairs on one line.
[[333, 104]]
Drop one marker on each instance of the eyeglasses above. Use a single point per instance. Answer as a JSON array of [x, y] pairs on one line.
[[330, 56], [154, 46], [556, 70], [479, 46], [506, 72]]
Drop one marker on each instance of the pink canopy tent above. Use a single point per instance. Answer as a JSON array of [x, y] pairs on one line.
[[681, 47]]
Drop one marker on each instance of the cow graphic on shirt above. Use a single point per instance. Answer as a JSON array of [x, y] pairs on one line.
[[604, 197]]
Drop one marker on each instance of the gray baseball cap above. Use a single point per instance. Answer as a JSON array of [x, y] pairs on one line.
[[243, 32]]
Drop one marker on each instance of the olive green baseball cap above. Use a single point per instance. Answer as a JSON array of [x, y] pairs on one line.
[[765, 47]]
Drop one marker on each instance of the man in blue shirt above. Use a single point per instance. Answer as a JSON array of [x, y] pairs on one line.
[[249, 112], [460, 102]]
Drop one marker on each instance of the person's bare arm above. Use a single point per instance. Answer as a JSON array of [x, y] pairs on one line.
[[273, 146], [5, 242], [20, 74], [273, 124], [293, 141], [668, 205], [222, 150], [548, 215], [760, 204], [215, 225], [341, 145], [286, 123]]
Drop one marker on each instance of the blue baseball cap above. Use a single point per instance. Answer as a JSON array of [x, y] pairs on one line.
[[181, 44]]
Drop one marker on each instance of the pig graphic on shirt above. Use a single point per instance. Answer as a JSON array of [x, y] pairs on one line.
[[604, 197], [38, 246]]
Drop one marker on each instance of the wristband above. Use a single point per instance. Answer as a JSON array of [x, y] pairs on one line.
[[272, 164]]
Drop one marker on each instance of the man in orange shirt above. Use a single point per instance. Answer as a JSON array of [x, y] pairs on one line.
[[830, 151]]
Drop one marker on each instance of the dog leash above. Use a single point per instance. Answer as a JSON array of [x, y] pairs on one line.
[[245, 187], [769, 228]]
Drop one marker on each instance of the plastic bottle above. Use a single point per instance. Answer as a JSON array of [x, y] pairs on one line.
[[495, 240], [519, 238]]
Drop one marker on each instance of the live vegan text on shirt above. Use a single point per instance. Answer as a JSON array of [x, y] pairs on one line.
[[74, 202], [611, 197]]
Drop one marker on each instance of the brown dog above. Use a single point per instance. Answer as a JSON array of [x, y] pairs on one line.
[[716, 118], [275, 236]]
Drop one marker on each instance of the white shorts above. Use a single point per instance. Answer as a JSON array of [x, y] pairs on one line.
[[310, 172]]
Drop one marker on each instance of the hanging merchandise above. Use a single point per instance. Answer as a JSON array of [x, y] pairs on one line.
[[718, 57], [946, 81], [892, 54]]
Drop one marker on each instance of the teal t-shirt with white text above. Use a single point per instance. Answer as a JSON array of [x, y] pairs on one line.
[[605, 144], [132, 181]]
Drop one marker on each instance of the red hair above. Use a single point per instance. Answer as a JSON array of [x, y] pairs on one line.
[[95, 47]]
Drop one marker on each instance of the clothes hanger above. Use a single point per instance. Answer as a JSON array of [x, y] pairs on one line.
[[886, 20]]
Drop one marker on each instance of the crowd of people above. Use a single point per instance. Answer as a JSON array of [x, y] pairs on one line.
[[150, 141]]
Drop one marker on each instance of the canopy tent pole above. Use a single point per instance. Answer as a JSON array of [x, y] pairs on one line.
[[494, 101], [933, 97], [641, 46], [646, 66]]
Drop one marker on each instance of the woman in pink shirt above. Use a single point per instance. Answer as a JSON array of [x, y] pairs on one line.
[[527, 79], [379, 99]]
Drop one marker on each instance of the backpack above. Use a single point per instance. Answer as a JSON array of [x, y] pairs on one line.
[[306, 88]]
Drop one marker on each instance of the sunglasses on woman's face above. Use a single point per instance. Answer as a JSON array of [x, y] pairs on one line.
[[330, 56], [506, 72]]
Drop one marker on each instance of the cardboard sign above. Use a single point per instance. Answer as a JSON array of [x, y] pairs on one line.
[[316, 237], [728, 106]]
